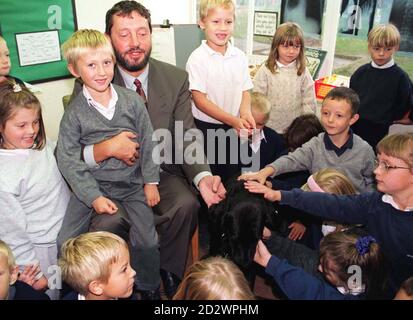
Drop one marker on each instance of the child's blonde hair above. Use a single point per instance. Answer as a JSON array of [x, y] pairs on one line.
[[399, 146], [384, 35], [332, 181], [6, 251], [89, 257], [13, 97], [289, 33], [2, 40], [84, 40], [260, 103], [215, 278], [207, 5]]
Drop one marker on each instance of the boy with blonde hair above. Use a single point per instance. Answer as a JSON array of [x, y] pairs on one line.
[[103, 110], [336, 148], [96, 265], [219, 81], [265, 144], [385, 90], [10, 287], [386, 213]]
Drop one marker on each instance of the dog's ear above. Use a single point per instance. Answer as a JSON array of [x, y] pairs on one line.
[[216, 214]]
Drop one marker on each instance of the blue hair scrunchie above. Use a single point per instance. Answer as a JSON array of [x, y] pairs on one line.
[[363, 244]]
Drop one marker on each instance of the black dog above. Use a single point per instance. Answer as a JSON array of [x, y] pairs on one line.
[[236, 224]]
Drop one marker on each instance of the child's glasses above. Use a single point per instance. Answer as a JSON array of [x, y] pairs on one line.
[[385, 166]]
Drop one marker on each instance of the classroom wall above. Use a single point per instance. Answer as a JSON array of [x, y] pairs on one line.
[[91, 14]]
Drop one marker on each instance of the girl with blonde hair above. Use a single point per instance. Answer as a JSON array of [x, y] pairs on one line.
[[215, 278]]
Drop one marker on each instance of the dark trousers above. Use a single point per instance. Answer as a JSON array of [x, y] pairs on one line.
[[176, 217], [229, 148], [141, 235], [370, 131]]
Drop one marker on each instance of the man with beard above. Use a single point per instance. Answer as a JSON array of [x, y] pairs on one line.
[[164, 88]]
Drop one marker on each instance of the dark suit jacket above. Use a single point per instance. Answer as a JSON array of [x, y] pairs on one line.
[[169, 100]]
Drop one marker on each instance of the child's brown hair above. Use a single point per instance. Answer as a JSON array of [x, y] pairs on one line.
[[354, 248], [291, 34], [14, 97]]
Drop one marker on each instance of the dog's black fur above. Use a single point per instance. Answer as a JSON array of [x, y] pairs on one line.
[[237, 222]]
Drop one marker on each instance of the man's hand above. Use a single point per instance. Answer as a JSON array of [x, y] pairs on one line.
[[262, 255], [212, 190], [122, 147], [151, 194], [104, 205]]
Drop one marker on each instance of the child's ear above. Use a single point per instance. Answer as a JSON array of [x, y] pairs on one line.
[[96, 288], [201, 24], [14, 274], [354, 119], [72, 70]]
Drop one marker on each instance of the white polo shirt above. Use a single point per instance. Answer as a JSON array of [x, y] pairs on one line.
[[222, 77]]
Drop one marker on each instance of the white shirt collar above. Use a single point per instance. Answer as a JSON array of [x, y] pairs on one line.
[[256, 139], [384, 66], [94, 103], [108, 111], [280, 65], [389, 199], [354, 291], [229, 52], [129, 79]]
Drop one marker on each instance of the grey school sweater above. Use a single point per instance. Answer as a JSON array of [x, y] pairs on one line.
[[84, 125], [357, 163]]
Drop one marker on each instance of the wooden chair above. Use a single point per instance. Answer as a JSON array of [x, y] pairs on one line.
[[195, 245]]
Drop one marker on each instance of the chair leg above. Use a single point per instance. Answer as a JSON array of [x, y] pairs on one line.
[[195, 245]]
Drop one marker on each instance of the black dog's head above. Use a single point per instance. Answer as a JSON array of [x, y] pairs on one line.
[[237, 222]]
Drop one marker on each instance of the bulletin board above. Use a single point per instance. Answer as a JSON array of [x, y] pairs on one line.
[[34, 31]]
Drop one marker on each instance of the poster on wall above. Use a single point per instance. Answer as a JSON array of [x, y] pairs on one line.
[[34, 31], [315, 58], [265, 23]]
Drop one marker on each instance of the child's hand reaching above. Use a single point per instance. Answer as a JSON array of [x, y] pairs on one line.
[[151, 194], [41, 284], [260, 176], [241, 124], [266, 233], [297, 230], [250, 119], [269, 194], [103, 205], [262, 255], [29, 274]]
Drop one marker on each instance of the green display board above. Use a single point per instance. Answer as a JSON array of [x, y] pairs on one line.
[[34, 31]]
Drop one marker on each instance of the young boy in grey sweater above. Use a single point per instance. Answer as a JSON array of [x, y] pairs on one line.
[[336, 148], [102, 111]]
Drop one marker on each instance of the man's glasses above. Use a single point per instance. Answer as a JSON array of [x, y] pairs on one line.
[[385, 166]]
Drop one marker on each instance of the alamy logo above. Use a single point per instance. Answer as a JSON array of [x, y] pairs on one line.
[[354, 282], [187, 147]]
